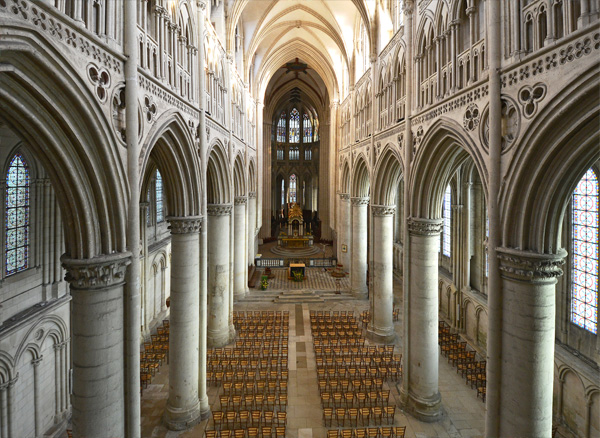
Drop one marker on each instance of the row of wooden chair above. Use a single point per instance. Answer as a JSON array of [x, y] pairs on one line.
[[369, 432], [360, 351], [155, 353], [343, 385], [244, 419], [331, 313], [248, 314], [341, 342], [271, 386], [233, 365], [351, 399], [366, 415], [390, 373], [249, 343], [275, 371], [453, 347], [250, 432], [254, 401]]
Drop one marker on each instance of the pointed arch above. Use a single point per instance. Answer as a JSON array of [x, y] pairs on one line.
[[360, 178], [387, 176], [239, 176], [218, 185]]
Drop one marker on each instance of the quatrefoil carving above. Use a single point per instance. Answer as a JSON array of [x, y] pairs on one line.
[[530, 97], [149, 108], [471, 117], [100, 78]]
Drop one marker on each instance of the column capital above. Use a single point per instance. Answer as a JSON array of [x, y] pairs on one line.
[[360, 200], [37, 361], [184, 224], [218, 209], [240, 200], [98, 272], [383, 210], [530, 266], [251, 195], [424, 227], [344, 196]]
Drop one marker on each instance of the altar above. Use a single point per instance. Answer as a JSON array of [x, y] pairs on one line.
[[295, 236]]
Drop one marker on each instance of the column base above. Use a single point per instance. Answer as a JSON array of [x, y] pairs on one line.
[[381, 336], [429, 410], [232, 333], [217, 339], [181, 419], [204, 412], [360, 294], [239, 295]]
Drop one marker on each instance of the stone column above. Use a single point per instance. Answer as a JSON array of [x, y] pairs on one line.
[[528, 318], [251, 227], [424, 399], [345, 233], [183, 407], [4, 410], [381, 327], [239, 241], [358, 271], [218, 220], [37, 399], [97, 315]]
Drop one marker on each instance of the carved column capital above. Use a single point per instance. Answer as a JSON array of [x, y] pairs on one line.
[[185, 224], [219, 209], [530, 266], [240, 200], [360, 200], [383, 210], [37, 361], [344, 196], [251, 195], [424, 227], [98, 272]]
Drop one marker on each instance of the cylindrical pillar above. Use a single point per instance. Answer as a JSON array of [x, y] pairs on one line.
[[37, 399], [528, 318], [251, 227], [183, 407], [219, 217], [424, 399], [381, 327], [239, 254], [345, 233], [3, 410], [97, 287], [358, 277]]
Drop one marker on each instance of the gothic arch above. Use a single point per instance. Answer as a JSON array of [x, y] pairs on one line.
[[387, 176], [360, 178], [252, 176], [444, 148], [50, 325], [49, 105], [172, 149], [553, 153], [239, 176], [218, 178], [345, 182]]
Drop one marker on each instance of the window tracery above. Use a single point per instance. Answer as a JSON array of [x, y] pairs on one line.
[[447, 213], [281, 128], [160, 215], [294, 126], [17, 216]]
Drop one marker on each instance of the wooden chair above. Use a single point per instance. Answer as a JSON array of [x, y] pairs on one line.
[[389, 412], [346, 433], [377, 413], [218, 417], [280, 432], [256, 418], [267, 432], [365, 415], [268, 417], [327, 416], [230, 418], [360, 433], [399, 431], [385, 432], [333, 433], [244, 417], [207, 434], [353, 415], [225, 434], [252, 432], [239, 433], [373, 432], [282, 418]]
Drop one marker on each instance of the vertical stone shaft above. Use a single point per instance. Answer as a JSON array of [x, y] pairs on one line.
[[218, 220], [381, 327], [424, 400], [345, 232], [358, 271], [183, 407], [239, 241], [98, 399]]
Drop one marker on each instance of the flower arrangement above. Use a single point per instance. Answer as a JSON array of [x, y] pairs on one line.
[[264, 282], [298, 276]]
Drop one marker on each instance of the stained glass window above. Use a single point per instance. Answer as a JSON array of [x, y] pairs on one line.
[[281, 128], [294, 126], [307, 127], [293, 188], [446, 207], [160, 214], [282, 192], [17, 216], [584, 299]]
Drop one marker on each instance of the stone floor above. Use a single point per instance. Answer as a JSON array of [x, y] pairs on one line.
[[464, 412]]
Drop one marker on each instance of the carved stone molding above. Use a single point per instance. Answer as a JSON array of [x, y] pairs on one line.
[[383, 210], [96, 273], [360, 201], [240, 200], [251, 195], [529, 266], [344, 196], [219, 209], [424, 227], [185, 224]]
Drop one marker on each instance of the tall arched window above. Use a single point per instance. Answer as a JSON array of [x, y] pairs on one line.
[[584, 292], [316, 130], [294, 126], [446, 207], [293, 188], [281, 128], [17, 216], [160, 214], [282, 191], [307, 127]]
